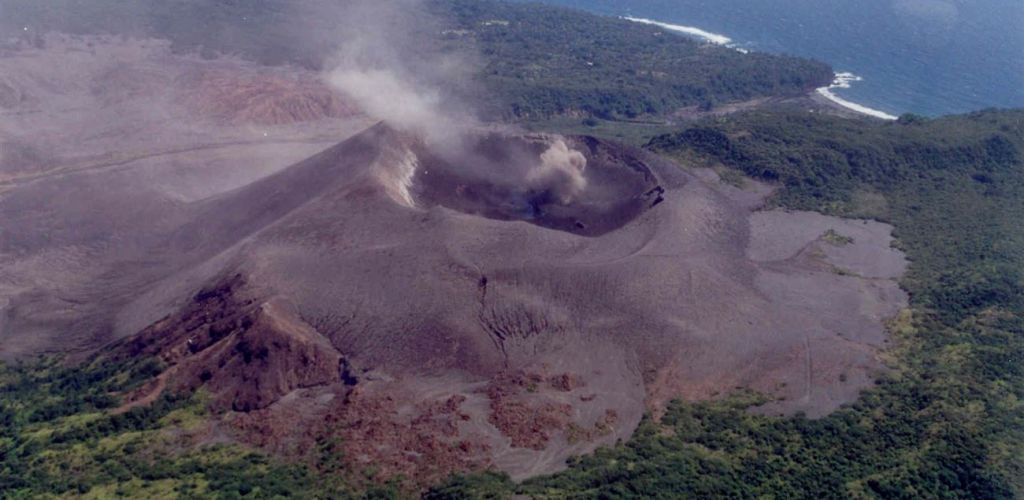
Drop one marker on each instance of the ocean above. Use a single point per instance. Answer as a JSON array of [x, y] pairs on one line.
[[928, 57]]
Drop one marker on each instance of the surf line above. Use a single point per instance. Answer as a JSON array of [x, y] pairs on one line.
[[714, 38], [843, 81]]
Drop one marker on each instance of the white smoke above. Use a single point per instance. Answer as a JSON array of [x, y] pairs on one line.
[[383, 95], [560, 172], [386, 66]]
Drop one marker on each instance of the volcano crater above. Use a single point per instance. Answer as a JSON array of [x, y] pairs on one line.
[[509, 177]]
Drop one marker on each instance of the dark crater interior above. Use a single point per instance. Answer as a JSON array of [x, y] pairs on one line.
[[491, 177]]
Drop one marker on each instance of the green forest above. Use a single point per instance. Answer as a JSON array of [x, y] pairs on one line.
[[549, 61]]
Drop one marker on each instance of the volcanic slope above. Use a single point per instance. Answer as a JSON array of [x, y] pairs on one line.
[[104, 144], [442, 309]]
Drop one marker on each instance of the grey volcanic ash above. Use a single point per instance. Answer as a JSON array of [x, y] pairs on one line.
[[456, 279]]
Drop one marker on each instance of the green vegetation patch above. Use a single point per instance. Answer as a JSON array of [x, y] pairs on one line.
[[63, 434], [548, 61], [834, 238]]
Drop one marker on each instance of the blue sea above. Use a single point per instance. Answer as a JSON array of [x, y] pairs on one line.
[[929, 57]]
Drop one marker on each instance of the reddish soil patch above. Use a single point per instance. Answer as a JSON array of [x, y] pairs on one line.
[[528, 422], [265, 98], [566, 382], [427, 447], [246, 354], [368, 429]]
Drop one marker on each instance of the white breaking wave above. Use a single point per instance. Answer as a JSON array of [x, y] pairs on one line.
[[714, 38], [689, 30], [843, 80]]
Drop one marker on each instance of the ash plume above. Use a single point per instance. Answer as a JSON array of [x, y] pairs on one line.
[[388, 64], [560, 172]]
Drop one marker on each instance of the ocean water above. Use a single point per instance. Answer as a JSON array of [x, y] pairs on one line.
[[930, 57]]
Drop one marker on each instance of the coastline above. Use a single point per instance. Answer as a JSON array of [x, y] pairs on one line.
[[843, 80], [715, 38]]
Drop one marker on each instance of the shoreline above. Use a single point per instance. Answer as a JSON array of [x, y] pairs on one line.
[[715, 38], [842, 79]]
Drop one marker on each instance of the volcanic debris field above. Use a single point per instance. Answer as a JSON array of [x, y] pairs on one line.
[[503, 300]]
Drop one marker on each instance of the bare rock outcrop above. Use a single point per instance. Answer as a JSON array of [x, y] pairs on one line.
[[246, 353]]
